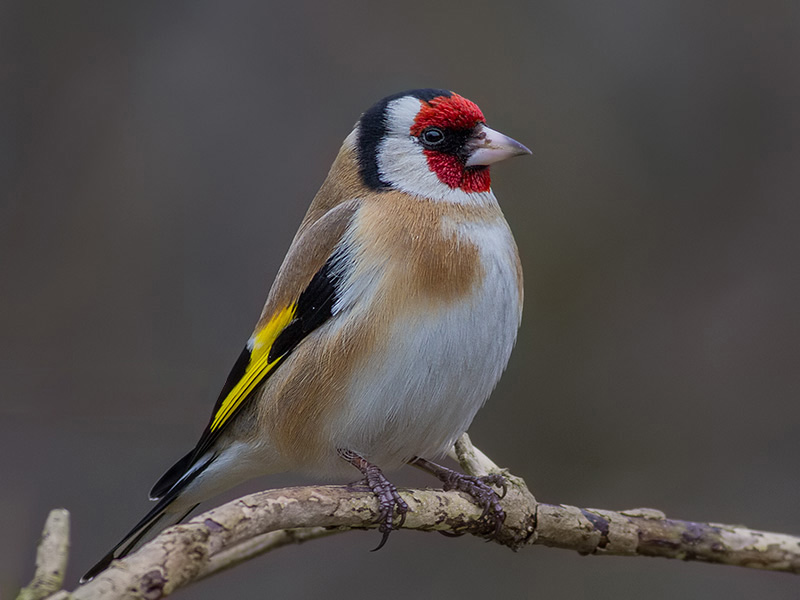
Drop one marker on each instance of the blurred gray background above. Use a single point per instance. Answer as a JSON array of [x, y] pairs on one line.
[[156, 158]]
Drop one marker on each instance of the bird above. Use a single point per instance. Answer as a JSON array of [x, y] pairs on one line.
[[388, 325]]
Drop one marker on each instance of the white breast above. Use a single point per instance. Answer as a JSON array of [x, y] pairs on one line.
[[437, 368]]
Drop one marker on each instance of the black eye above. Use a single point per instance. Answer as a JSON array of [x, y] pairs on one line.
[[432, 137]]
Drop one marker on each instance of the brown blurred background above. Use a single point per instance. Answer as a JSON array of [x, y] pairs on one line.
[[156, 158]]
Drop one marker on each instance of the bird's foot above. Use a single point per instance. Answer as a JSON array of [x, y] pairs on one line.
[[388, 497], [479, 489]]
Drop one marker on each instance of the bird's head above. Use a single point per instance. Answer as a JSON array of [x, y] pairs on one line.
[[430, 143]]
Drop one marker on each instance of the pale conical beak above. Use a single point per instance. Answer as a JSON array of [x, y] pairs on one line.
[[489, 146]]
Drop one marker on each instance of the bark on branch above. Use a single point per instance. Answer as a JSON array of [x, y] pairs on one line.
[[51, 558], [258, 523]]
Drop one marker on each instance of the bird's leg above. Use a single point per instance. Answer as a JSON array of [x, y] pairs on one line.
[[384, 490], [478, 487]]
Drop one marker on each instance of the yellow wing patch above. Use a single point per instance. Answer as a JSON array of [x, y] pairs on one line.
[[258, 366]]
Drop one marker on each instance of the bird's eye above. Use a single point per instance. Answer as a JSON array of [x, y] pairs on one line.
[[431, 137]]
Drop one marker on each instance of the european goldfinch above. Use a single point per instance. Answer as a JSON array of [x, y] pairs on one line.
[[388, 325]]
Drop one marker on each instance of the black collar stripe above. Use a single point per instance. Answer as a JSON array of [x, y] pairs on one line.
[[372, 128]]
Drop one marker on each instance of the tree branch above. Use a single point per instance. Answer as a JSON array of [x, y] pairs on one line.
[[51, 557], [255, 524]]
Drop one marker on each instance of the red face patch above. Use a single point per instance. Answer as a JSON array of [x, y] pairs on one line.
[[454, 112]]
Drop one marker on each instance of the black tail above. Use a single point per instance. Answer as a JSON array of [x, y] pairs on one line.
[[159, 518]]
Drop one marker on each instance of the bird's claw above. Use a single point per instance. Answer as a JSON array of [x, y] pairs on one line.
[[389, 498], [481, 491]]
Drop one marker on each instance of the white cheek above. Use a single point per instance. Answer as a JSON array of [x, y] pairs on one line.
[[402, 162]]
